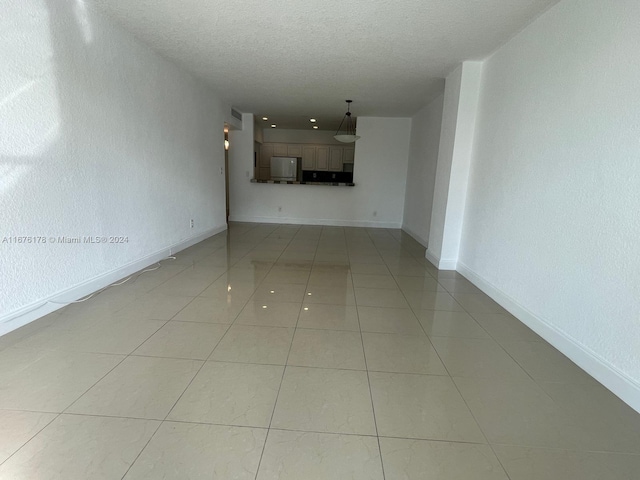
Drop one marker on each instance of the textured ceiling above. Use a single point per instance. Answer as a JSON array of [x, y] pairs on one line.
[[304, 58]]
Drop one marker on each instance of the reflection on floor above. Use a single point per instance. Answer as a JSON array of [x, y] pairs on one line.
[[301, 352]]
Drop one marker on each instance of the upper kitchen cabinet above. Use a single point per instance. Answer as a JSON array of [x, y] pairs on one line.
[[294, 150], [280, 150], [308, 158], [335, 159], [266, 152], [348, 155], [322, 158]]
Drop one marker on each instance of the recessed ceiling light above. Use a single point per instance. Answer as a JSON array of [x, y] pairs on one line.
[[273, 125], [315, 127], [312, 120], [265, 118]]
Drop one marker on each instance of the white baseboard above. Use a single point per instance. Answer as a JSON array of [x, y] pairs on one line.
[[439, 263], [422, 241], [313, 221], [623, 386], [44, 306]]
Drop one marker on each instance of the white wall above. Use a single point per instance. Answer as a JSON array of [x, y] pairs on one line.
[[552, 219], [421, 172], [98, 136], [380, 172], [462, 90], [280, 135]]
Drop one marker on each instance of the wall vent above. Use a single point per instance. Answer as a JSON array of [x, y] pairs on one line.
[[236, 114]]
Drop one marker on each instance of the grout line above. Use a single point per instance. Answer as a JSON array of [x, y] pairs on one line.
[[284, 369], [373, 408]]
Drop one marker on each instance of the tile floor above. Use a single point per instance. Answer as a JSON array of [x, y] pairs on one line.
[[301, 352]]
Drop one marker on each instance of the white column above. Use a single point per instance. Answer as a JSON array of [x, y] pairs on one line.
[[462, 89]]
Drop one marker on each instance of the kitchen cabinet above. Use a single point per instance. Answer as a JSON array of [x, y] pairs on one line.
[[308, 158], [294, 150], [348, 154], [266, 152], [335, 159], [263, 166], [280, 150], [330, 158], [264, 173], [322, 158]]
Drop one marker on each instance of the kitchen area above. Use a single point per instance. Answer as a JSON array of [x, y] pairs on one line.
[[302, 157]]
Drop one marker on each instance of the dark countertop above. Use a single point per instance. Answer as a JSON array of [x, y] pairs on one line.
[[285, 182]]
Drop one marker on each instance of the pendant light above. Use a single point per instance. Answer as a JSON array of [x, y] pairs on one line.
[[349, 135]]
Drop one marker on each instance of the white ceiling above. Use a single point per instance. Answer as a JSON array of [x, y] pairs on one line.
[[294, 58]]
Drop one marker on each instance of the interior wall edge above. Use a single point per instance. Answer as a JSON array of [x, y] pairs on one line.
[[422, 241], [623, 386], [441, 263], [35, 310]]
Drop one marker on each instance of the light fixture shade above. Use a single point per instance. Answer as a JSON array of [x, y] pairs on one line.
[[349, 133], [347, 138]]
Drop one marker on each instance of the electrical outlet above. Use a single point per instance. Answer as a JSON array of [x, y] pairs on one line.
[[191, 223], [279, 209], [221, 170], [375, 213]]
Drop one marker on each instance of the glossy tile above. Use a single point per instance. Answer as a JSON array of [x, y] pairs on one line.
[[477, 303], [279, 292], [49, 381], [112, 335], [544, 363], [438, 323], [183, 450], [373, 281], [209, 310], [183, 340], [288, 275], [505, 327], [327, 348], [518, 412], [523, 463], [458, 285], [424, 283], [476, 357], [297, 455], [389, 320], [17, 429], [323, 400], [369, 269], [155, 306], [610, 424], [432, 301], [408, 459], [140, 387], [229, 292], [250, 344], [379, 297], [329, 317], [270, 314], [329, 295], [230, 394], [79, 446], [421, 406], [448, 371], [401, 353]]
